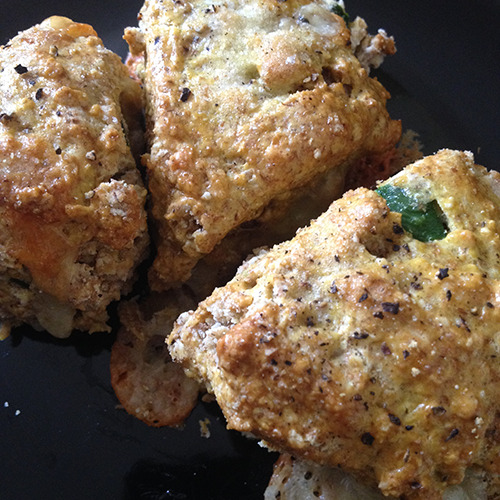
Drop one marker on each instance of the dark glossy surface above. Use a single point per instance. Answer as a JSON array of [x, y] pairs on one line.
[[61, 435]]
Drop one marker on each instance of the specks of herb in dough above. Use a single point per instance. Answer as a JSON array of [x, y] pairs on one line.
[[390, 307], [406, 354], [309, 321], [363, 297], [20, 69], [453, 433], [394, 419], [489, 305], [442, 273], [185, 94], [39, 94], [58, 151], [333, 288], [337, 258], [448, 295], [367, 439], [396, 248], [378, 315], [273, 362], [415, 485], [409, 427], [157, 40]]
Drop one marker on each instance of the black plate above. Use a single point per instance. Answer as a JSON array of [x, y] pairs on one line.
[[61, 434]]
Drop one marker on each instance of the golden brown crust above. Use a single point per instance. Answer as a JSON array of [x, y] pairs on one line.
[[73, 225], [246, 103], [355, 344]]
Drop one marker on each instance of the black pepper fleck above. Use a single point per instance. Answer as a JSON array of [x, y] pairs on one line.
[[409, 427], [385, 349], [20, 69], [395, 420], [390, 307], [453, 433], [397, 229], [367, 439], [359, 335], [490, 305], [443, 273], [438, 410], [337, 258], [185, 94], [406, 354], [363, 297], [39, 94], [378, 314]]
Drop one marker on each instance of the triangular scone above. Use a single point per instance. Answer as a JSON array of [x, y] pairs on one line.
[[247, 102], [357, 345]]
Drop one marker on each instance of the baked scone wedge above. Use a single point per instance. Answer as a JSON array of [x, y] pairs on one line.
[[72, 217], [355, 344], [247, 104]]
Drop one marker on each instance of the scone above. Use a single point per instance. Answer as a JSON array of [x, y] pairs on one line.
[[248, 104], [72, 218], [370, 341]]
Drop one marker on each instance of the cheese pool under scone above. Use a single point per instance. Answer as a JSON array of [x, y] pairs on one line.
[[72, 218], [357, 345], [247, 103]]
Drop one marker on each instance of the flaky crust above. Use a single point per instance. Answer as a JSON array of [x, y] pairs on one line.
[[72, 218], [355, 344], [246, 102]]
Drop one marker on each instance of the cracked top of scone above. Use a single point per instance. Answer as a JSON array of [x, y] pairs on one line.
[[246, 103], [72, 218], [355, 344]]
